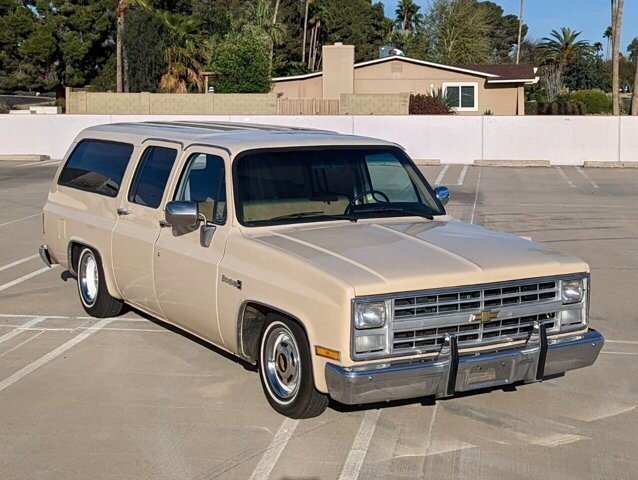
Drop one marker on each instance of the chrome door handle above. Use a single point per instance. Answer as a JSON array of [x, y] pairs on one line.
[[123, 211]]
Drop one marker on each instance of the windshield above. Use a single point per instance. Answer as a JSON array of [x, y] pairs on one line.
[[276, 187]]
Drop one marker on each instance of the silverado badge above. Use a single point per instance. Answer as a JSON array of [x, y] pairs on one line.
[[484, 317]]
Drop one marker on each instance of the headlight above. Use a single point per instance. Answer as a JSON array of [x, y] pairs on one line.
[[369, 315], [572, 291], [370, 343]]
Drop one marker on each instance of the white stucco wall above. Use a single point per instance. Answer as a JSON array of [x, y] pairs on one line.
[[450, 139]]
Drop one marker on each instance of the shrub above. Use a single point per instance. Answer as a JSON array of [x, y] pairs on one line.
[[596, 101], [560, 106], [428, 105]]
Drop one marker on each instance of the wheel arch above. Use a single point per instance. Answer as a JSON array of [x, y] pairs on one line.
[[250, 322], [73, 253]]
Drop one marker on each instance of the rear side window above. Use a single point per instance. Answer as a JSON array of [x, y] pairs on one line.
[[97, 166], [151, 176]]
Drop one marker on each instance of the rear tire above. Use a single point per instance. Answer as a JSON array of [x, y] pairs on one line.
[[285, 369], [94, 295]]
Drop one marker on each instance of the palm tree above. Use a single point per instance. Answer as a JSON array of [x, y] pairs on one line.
[[186, 56], [268, 25], [616, 12], [320, 15], [560, 47], [408, 17], [607, 35], [598, 46]]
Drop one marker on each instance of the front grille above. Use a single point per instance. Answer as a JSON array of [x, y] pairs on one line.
[[421, 320], [478, 299], [470, 334]]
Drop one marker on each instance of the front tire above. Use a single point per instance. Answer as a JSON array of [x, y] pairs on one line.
[[94, 295], [285, 369]]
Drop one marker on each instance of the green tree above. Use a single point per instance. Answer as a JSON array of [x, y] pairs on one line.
[[587, 73], [187, 54], [241, 62], [503, 32], [459, 31], [145, 43], [266, 21]]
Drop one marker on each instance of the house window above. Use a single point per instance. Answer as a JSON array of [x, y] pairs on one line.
[[464, 96]]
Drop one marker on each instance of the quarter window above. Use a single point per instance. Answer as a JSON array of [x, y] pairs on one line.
[[463, 96], [204, 182], [151, 176], [97, 166]]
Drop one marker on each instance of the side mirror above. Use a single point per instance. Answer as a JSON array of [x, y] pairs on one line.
[[182, 214], [443, 194]]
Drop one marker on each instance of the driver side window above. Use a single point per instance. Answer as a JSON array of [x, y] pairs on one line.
[[388, 175], [204, 181]]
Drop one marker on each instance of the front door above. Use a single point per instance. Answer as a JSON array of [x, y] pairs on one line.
[[186, 270], [138, 225]]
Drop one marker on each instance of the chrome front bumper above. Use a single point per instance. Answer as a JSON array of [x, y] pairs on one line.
[[452, 372]]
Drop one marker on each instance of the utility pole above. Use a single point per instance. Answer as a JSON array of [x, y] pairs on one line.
[[520, 34]]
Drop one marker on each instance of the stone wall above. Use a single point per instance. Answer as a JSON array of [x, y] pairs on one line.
[[94, 103], [375, 104]]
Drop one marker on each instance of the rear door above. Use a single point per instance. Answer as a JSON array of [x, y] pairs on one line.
[[186, 271], [138, 225]]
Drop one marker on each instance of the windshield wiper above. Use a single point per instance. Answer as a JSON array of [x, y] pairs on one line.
[[400, 210], [314, 214]]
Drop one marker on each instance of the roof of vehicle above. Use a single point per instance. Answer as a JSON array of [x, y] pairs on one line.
[[234, 137]]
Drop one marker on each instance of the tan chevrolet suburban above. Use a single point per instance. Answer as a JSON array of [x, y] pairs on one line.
[[327, 260]]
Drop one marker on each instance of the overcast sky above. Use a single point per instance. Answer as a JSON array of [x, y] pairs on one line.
[[542, 16]]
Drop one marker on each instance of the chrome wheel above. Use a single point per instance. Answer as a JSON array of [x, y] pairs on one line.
[[88, 277], [281, 362]]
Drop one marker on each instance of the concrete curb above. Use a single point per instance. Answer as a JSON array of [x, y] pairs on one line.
[[24, 158], [595, 164], [512, 163], [428, 163]]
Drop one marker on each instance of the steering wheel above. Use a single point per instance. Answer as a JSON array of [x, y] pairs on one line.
[[363, 194]]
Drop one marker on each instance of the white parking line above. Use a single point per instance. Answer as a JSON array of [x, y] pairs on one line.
[[441, 175], [62, 317], [360, 446], [462, 175], [272, 454], [587, 177], [7, 382], [478, 183], [20, 329], [75, 329], [33, 337], [18, 262], [19, 220], [565, 177], [26, 277]]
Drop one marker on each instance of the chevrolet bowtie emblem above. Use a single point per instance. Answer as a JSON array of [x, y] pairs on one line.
[[484, 317]]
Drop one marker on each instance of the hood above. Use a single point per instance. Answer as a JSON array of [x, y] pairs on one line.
[[390, 256]]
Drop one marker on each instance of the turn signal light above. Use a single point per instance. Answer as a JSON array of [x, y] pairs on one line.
[[328, 353]]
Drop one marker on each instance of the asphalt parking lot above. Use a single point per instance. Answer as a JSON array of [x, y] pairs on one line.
[[131, 398]]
